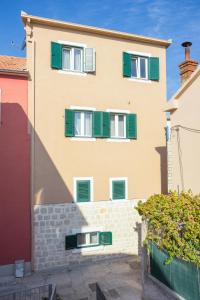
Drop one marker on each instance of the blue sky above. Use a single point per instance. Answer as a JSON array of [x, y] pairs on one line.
[[175, 19]]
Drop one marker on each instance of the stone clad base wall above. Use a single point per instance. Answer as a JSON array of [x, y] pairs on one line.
[[52, 222]]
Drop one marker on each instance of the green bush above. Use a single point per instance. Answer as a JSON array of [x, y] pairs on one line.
[[174, 224]]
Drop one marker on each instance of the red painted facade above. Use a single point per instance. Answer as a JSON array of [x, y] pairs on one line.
[[15, 215]]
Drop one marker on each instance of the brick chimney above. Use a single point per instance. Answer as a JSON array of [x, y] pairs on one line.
[[188, 66]]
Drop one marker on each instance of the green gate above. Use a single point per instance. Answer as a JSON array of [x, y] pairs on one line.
[[180, 276]]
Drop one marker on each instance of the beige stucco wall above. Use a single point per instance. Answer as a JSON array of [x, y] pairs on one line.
[[57, 159], [185, 144]]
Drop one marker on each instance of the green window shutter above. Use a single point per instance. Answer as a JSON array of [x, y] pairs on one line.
[[131, 126], [56, 55], [105, 238], [106, 124], [118, 189], [154, 68], [97, 126], [69, 122], [70, 242], [126, 64], [83, 191]]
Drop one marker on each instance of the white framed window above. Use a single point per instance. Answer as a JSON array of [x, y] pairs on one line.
[[72, 59], [139, 67], [117, 125], [119, 188], [87, 239], [83, 123]]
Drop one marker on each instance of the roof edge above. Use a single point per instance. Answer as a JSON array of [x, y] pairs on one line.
[[186, 84], [171, 106], [14, 72], [101, 31]]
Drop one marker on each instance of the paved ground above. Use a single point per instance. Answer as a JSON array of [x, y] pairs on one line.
[[120, 278]]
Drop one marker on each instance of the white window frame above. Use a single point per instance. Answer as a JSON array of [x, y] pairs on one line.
[[82, 135], [138, 58], [143, 54], [91, 179], [72, 56], [88, 244], [116, 122], [111, 187]]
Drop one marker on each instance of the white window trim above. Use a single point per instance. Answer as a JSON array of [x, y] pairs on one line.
[[117, 140], [137, 53], [82, 139], [72, 60], [145, 54], [111, 179], [82, 130], [85, 229], [75, 107], [123, 111], [138, 58], [91, 179], [88, 249], [116, 122], [83, 108], [139, 80], [88, 244], [72, 73], [75, 44]]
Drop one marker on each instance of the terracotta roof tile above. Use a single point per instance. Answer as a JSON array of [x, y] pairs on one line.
[[13, 63]]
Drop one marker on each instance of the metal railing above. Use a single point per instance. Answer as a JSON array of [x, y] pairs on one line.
[[43, 292]]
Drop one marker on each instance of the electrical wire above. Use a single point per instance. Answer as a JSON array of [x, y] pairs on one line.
[[175, 127]]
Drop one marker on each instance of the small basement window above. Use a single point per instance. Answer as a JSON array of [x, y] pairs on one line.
[[87, 239]]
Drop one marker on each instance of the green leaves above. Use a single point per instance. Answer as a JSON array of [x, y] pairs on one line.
[[174, 224]]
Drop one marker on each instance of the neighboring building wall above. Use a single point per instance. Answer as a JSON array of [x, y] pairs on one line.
[[58, 159], [185, 143], [15, 169]]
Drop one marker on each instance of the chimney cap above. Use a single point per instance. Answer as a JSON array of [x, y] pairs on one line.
[[186, 44]]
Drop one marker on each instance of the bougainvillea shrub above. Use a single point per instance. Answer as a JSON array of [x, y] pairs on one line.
[[174, 224]]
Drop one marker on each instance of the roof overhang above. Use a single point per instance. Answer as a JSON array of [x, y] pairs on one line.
[[100, 31], [14, 73], [172, 105]]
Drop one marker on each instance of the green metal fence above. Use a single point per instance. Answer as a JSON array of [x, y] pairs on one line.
[[180, 276]]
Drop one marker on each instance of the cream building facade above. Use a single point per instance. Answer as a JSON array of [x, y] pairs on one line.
[[98, 138], [184, 143]]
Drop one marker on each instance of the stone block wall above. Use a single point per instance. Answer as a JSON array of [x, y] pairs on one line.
[[52, 222]]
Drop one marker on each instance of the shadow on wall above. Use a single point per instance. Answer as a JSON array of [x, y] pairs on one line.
[[15, 222], [55, 218], [163, 168]]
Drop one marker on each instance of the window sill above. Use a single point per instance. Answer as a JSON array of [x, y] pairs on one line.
[[140, 80], [72, 73], [88, 249], [118, 140], [119, 200], [83, 139]]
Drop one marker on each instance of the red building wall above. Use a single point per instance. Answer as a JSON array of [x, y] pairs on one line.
[[15, 221]]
